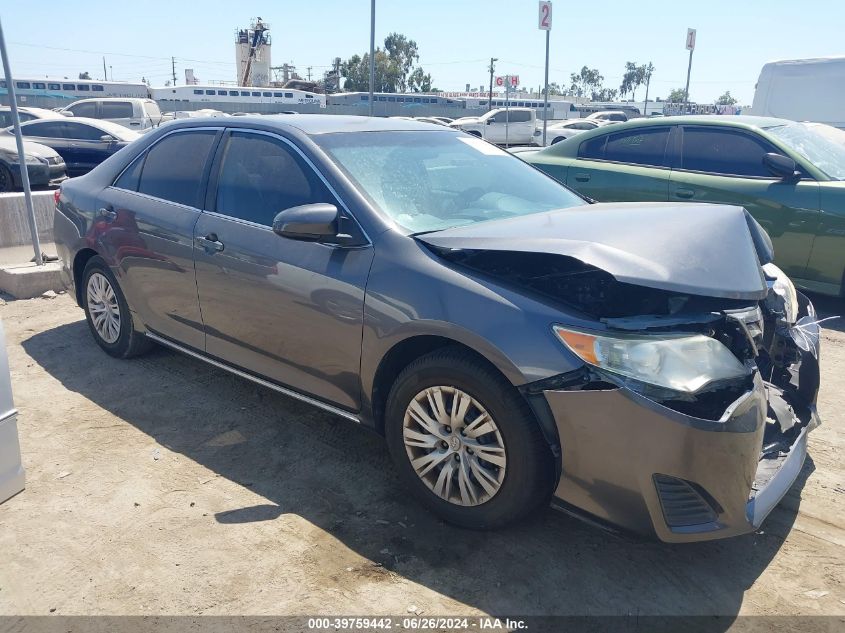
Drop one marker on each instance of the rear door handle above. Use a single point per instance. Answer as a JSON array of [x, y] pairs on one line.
[[684, 193], [210, 243], [107, 213], [582, 177]]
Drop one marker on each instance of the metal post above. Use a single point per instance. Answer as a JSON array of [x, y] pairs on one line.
[[645, 105], [27, 191], [490, 99], [546, 93], [105, 74], [686, 90], [372, 52], [507, 108]]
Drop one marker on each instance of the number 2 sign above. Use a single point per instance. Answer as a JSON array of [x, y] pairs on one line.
[[545, 16]]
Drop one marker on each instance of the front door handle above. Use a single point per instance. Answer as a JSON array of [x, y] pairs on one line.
[[582, 177], [210, 243], [684, 193]]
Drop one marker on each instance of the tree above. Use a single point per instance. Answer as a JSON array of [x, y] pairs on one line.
[[584, 82], [404, 53], [555, 89], [604, 94], [84, 75], [395, 68], [633, 78], [726, 99], [676, 96], [419, 81]]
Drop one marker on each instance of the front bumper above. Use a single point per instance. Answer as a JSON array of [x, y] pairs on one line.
[[632, 462], [42, 174]]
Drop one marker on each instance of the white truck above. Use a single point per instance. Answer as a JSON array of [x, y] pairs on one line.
[[511, 126], [802, 90]]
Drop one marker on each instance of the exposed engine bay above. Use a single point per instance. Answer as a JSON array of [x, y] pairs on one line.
[[775, 338]]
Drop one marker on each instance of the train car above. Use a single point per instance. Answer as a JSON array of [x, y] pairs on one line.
[[558, 109], [56, 93], [413, 100], [238, 97]]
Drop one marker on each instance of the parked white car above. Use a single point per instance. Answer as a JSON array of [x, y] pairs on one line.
[[136, 114], [512, 126], [608, 116], [559, 131], [25, 114]]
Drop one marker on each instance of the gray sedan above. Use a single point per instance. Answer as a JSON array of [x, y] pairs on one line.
[[641, 365]]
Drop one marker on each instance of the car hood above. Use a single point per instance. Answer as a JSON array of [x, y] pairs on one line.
[[699, 249], [7, 144], [471, 120]]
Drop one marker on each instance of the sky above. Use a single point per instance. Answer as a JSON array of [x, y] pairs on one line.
[[456, 38]]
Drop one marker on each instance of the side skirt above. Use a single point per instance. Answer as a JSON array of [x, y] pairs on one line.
[[260, 381]]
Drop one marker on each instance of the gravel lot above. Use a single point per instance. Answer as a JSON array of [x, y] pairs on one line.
[[164, 486]]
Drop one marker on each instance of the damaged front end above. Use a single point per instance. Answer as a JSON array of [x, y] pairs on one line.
[[690, 413]]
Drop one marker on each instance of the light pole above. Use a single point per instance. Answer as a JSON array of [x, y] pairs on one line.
[[16, 122], [372, 52]]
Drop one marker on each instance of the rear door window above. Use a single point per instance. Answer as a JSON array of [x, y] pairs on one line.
[[645, 146], [727, 152], [174, 167], [261, 176], [117, 110]]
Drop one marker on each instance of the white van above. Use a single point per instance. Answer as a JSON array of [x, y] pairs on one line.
[[802, 90], [136, 114]]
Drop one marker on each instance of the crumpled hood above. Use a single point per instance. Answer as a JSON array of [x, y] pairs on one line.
[[700, 249]]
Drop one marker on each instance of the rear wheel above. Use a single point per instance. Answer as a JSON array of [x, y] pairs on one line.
[[7, 183], [465, 442], [107, 312]]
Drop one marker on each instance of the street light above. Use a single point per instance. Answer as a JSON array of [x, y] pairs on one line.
[[372, 52]]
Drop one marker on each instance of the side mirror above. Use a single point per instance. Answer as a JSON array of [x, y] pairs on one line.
[[307, 222], [781, 166], [107, 138], [491, 120]]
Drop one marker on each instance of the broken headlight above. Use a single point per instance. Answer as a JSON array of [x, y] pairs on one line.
[[682, 362], [785, 290]]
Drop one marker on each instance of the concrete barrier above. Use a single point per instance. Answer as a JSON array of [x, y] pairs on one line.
[[14, 222]]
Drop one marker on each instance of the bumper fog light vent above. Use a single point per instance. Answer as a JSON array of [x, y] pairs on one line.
[[682, 503]]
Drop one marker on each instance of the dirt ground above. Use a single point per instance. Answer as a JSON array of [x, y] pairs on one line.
[[164, 486]]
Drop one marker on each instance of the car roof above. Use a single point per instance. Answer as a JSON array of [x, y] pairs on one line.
[[315, 124]]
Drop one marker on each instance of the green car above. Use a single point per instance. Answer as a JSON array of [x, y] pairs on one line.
[[788, 175]]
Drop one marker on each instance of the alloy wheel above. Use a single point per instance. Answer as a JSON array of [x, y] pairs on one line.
[[454, 445], [103, 307]]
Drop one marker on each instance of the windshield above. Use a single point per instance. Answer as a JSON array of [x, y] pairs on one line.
[[427, 181], [824, 149]]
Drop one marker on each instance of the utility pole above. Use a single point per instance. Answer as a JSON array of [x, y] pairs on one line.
[[173, 63], [111, 72], [372, 52], [105, 75], [649, 69], [492, 68], [309, 73]]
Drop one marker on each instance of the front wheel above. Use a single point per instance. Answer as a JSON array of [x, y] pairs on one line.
[[465, 442]]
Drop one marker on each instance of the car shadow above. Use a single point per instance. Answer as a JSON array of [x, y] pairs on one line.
[[338, 476]]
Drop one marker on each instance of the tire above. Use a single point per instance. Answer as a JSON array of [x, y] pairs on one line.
[[104, 303], [7, 182], [524, 472]]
